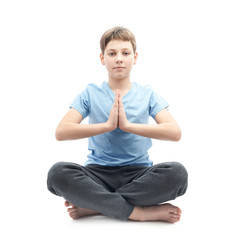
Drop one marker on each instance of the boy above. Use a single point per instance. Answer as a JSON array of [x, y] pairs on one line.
[[118, 179]]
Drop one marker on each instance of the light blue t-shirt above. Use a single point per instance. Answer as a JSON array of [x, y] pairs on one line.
[[118, 148]]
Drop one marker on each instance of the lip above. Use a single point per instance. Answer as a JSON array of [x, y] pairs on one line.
[[119, 68]]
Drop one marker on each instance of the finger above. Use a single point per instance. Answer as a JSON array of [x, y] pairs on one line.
[[118, 93], [116, 98], [115, 103], [120, 102]]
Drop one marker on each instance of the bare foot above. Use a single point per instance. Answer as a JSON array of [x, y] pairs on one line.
[[165, 212], [77, 212]]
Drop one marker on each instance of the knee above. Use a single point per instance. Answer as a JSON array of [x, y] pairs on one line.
[[56, 174], [179, 175], [179, 172], [175, 173]]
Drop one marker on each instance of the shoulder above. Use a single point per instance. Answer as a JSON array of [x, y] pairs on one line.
[[148, 93], [90, 89], [149, 90], [145, 90], [94, 88]]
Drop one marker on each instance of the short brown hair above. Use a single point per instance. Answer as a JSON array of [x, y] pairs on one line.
[[117, 33]]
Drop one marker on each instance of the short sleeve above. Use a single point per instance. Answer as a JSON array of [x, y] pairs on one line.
[[82, 103], [156, 104]]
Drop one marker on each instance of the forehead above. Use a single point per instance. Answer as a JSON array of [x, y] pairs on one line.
[[119, 44]]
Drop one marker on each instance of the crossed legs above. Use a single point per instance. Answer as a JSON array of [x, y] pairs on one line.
[[137, 200]]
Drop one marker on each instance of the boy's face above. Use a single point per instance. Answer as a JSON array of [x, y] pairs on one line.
[[119, 59]]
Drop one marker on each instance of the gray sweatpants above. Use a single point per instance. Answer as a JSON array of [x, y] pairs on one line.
[[114, 191]]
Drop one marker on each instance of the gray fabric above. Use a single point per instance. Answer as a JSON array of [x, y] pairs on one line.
[[114, 191]]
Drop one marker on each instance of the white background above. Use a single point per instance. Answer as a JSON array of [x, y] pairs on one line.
[[189, 52]]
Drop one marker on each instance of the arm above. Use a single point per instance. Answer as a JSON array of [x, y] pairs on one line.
[[165, 129], [70, 127]]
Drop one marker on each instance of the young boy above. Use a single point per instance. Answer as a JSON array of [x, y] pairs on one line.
[[118, 179]]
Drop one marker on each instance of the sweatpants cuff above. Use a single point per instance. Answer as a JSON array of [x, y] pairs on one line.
[[128, 209]]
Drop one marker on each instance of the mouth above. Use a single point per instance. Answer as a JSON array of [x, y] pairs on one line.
[[119, 68]]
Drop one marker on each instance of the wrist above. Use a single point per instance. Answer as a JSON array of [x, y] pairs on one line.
[[126, 126], [109, 127]]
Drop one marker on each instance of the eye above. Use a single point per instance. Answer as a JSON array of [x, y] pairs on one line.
[[111, 53], [126, 53]]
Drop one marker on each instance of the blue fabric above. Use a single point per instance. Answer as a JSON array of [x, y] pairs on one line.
[[118, 148]]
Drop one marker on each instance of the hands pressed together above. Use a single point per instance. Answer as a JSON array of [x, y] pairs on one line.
[[117, 116], [165, 129]]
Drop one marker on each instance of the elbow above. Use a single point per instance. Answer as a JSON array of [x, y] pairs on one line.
[[59, 135], [177, 135]]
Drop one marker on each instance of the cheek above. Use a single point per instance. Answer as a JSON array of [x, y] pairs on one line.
[[107, 65], [130, 62]]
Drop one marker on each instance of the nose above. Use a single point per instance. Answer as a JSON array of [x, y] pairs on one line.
[[119, 58]]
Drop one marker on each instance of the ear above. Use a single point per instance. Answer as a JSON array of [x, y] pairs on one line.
[[135, 58], [102, 59]]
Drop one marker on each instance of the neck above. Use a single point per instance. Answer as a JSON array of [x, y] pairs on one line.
[[124, 85]]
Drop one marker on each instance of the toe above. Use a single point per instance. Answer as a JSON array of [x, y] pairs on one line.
[[66, 203], [70, 210], [74, 215], [173, 215], [174, 218], [176, 210], [71, 215], [179, 211]]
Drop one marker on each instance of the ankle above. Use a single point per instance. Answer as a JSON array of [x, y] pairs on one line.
[[137, 214]]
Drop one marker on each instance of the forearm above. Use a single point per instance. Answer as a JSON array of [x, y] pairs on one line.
[[73, 131], [163, 131]]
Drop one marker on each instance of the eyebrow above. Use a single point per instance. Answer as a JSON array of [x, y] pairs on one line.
[[112, 49]]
